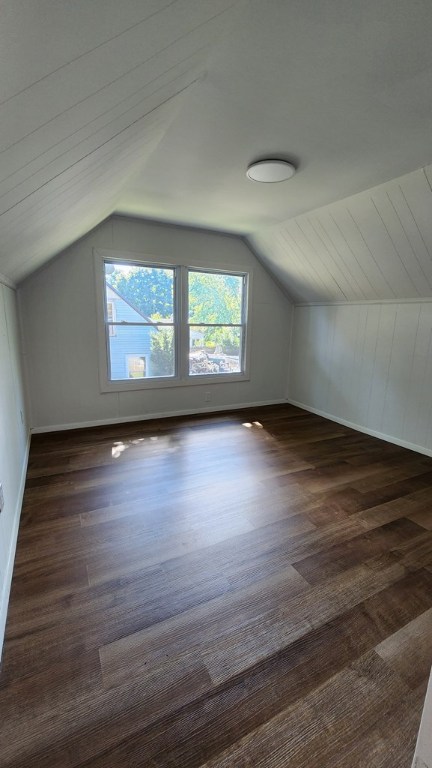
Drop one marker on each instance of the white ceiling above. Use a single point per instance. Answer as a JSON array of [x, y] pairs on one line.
[[374, 245], [156, 107]]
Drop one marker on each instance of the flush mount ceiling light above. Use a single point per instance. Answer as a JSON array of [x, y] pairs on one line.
[[270, 171]]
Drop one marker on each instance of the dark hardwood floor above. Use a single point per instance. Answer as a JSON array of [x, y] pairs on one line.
[[248, 589]]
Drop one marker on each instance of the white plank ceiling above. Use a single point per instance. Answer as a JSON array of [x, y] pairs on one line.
[[154, 108], [374, 245], [86, 93]]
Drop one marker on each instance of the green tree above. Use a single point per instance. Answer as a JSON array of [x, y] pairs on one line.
[[217, 298], [162, 352], [214, 298], [149, 289]]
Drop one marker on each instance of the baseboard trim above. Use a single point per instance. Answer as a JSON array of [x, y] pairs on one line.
[[365, 430], [149, 416], [4, 604]]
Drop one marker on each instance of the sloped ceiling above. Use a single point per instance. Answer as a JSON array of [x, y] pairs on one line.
[[374, 245], [155, 108], [87, 91]]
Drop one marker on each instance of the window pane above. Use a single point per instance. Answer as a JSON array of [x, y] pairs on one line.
[[137, 366], [139, 294], [142, 351], [214, 350], [215, 298]]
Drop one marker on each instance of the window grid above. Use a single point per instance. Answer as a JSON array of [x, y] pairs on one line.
[[200, 350]]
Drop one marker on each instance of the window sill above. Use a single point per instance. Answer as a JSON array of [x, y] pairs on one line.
[[123, 385]]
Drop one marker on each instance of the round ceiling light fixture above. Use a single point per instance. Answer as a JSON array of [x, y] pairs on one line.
[[270, 171]]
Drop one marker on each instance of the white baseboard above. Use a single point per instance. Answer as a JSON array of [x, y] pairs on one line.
[[365, 430], [4, 604], [148, 416]]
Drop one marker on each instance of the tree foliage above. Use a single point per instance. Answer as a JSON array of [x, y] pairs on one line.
[[149, 289], [162, 352], [213, 298], [216, 298]]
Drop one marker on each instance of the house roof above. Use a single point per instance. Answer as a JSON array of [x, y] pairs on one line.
[[117, 293], [155, 108]]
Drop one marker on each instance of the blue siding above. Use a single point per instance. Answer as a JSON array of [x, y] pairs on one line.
[[135, 341]]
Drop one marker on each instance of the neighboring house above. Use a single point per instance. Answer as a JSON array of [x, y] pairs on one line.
[[130, 346], [196, 337]]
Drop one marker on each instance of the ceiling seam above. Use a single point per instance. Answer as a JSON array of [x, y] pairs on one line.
[[137, 135], [117, 79], [340, 255], [370, 252], [134, 122], [409, 241], [102, 128], [86, 53], [102, 114], [393, 244]]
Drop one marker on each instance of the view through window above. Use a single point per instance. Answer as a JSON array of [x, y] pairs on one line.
[[142, 345], [215, 322], [149, 338]]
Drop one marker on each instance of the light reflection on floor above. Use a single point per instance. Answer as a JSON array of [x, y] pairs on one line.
[[177, 496]]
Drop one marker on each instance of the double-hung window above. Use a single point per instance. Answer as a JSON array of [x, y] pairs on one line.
[[216, 320], [140, 340], [169, 325]]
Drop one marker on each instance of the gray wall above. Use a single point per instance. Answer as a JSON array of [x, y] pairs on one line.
[[367, 365], [13, 442], [60, 329]]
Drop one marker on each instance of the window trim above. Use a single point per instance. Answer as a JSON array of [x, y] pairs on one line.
[[181, 378], [242, 325], [113, 322]]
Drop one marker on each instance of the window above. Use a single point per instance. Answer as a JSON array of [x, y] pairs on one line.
[[216, 322], [170, 325], [144, 321], [111, 317], [137, 367]]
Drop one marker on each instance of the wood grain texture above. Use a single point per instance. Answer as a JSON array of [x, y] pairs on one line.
[[216, 594]]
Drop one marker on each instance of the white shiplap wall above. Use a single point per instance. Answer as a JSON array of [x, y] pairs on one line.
[[374, 245], [59, 318], [368, 365], [13, 441]]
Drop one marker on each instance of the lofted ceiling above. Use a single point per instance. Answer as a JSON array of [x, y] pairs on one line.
[[155, 108], [371, 246]]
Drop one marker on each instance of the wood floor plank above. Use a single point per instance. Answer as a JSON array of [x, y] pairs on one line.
[[340, 557], [416, 553], [249, 588], [390, 741], [207, 726], [194, 629], [423, 518], [411, 471], [314, 730], [245, 647], [90, 722], [62, 626], [409, 650]]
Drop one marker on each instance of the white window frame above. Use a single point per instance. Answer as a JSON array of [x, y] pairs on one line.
[[242, 325], [181, 378], [112, 328]]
